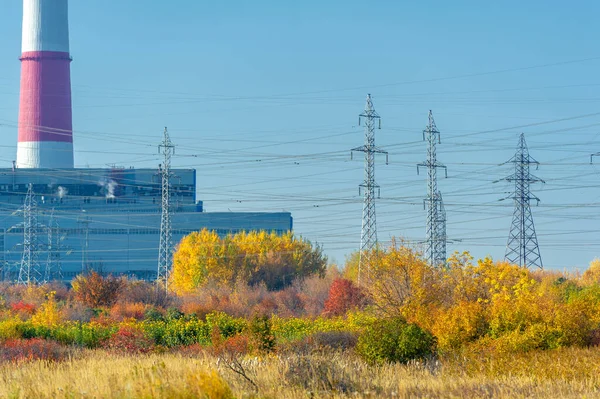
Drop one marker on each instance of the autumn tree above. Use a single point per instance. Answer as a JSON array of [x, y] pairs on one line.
[[204, 258], [343, 296], [592, 274], [95, 291], [350, 271], [401, 282]]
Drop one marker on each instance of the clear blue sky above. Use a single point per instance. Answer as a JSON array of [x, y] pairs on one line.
[[262, 98]]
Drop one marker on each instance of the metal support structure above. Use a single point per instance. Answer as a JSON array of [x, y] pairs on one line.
[[522, 248], [436, 214], [53, 265], [30, 271], [368, 236], [165, 250], [85, 221]]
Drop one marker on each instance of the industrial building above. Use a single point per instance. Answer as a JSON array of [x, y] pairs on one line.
[[57, 221]]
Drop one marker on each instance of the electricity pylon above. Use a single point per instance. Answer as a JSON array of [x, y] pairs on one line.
[[84, 221], [54, 265], [436, 214], [522, 248], [165, 250], [30, 271], [368, 236]]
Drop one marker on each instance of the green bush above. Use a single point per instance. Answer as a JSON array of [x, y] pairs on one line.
[[178, 332], [394, 340], [261, 334], [88, 335], [153, 314], [228, 325], [173, 314], [291, 329]]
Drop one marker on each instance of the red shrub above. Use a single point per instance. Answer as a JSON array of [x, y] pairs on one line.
[[17, 350], [130, 339], [343, 296], [23, 308]]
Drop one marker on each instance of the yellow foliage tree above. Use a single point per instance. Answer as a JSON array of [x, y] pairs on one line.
[[48, 314], [592, 274], [252, 257], [402, 283]]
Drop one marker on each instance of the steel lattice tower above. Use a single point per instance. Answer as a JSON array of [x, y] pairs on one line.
[[53, 266], [84, 221], [436, 214], [368, 236], [522, 248], [165, 251], [30, 271]]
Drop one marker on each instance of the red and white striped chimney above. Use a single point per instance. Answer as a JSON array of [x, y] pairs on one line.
[[45, 118]]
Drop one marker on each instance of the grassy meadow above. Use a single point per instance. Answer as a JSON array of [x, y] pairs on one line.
[[565, 373]]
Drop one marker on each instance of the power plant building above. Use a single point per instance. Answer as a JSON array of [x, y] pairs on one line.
[[63, 220], [106, 219]]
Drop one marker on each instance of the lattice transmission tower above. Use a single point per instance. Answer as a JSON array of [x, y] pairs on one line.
[[53, 269], [522, 248], [165, 250], [30, 271], [435, 246], [84, 221], [368, 236]]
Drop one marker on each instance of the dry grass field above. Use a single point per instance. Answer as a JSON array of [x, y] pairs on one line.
[[563, 373]]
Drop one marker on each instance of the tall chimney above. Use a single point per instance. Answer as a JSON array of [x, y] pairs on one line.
[[45, 119]]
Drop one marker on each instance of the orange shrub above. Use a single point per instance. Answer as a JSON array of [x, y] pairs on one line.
[[122, 311], [22, 309]]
